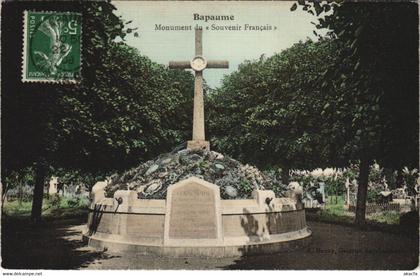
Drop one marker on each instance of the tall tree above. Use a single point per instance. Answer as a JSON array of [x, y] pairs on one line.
[[354, 99], [377, 73], [120, 113]]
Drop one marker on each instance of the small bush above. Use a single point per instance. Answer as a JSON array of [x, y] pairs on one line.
[[54, 201], [74, 202], [84, 202]]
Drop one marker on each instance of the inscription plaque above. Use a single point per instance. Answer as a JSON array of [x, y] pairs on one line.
[[193, 212]]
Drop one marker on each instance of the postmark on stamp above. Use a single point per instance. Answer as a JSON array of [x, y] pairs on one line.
[[51, 47]]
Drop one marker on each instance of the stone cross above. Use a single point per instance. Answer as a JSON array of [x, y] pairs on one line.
[[198, 64]]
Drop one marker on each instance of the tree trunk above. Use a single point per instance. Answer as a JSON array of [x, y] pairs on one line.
[[285, 175], [4, 190], [360, 219], [38, 191], [400, 180]]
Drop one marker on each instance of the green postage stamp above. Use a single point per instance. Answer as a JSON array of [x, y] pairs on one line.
[[51, 46]]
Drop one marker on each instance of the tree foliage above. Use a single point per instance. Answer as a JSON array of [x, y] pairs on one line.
[[121, 112], [133, 110], [348, 99], [268, 111], [377, 65]]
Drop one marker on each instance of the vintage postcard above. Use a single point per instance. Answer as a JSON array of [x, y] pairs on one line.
[[209, 135]]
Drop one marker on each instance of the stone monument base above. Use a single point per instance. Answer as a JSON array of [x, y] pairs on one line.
[[194, 222], [198, 145], [230, 248]]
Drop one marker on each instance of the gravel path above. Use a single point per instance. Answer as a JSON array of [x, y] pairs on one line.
[[58, 245]]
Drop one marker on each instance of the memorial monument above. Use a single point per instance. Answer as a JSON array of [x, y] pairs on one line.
[[195, 202], [198, 64]]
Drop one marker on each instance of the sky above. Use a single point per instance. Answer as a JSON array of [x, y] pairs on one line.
[[161, 46]]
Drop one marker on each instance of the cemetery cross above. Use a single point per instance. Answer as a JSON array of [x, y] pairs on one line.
[[198, 64]]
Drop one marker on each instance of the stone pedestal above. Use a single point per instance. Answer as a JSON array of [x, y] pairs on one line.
[[198, 145], [193, 214], [194, 222], [98, 192]]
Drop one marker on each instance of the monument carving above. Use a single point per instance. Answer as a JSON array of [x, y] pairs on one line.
[[193, 213]]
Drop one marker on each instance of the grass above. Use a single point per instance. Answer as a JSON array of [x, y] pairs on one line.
[[335, 212], [335, 209], [385, 217], [52, 207], [18, 209]]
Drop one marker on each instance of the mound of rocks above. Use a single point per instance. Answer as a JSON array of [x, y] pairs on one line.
[[152, 178]]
